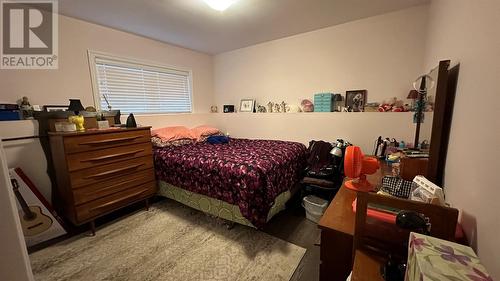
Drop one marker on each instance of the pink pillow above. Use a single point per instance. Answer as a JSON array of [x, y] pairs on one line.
[[203, 131], [173, 133]]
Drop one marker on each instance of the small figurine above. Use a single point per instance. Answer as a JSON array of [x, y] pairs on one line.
[[261, 109], [270, 106], [277, 108], [283, 107], [26, 108]]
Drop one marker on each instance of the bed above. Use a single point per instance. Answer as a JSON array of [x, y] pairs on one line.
[[244, 181]]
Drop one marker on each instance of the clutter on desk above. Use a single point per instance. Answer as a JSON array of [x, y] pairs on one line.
[[431, 258], [393, 150], [397, 187], [425, 191]]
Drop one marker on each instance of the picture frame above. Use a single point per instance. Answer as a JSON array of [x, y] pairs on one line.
[[355, 100], [53, 108], [247, 105]]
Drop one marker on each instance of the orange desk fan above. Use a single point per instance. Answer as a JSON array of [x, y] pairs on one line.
[[356, 167]]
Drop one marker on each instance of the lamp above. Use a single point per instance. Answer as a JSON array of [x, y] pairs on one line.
[[412, 95], [219, 5], [76, 106]]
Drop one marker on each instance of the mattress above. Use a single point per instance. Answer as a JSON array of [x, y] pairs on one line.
[[250, 174]]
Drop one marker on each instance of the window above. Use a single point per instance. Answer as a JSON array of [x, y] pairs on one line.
[[134, 87]]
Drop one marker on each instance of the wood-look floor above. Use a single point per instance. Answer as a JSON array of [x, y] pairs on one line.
[[292, 226]]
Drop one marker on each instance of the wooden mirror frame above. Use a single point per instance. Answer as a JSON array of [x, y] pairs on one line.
[[441, 123]]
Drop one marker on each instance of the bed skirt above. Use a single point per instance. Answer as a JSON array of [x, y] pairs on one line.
[[216, 207]]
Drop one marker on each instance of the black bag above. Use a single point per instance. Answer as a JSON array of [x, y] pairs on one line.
[[320, 161]]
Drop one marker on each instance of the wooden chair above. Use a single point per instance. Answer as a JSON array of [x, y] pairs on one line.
[[375, 239]]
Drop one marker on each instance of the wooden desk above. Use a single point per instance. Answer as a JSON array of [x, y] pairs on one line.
[[337, 231], [366, 267]]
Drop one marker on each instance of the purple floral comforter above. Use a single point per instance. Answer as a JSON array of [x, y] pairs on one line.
[[247, 173]]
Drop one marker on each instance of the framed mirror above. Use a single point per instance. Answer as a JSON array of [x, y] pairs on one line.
[[444, 98]]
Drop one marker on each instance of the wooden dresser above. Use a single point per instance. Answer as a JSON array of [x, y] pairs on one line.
[[99, 171]]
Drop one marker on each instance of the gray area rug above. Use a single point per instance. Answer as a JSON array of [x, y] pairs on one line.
[[169, 242]]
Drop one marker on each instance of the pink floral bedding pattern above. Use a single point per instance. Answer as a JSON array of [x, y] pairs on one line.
[[247, 173]]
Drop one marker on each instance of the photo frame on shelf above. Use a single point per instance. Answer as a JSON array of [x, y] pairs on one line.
[[355, 100], [247, 105]]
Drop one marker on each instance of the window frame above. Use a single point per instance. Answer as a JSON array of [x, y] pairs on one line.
[[148, 65]]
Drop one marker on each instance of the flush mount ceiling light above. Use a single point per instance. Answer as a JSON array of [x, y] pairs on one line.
[[219, 5]]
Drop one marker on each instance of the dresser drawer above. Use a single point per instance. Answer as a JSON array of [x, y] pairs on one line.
[[81, 143], [102, 189], [104, 172], [109, 203], [82, 160]]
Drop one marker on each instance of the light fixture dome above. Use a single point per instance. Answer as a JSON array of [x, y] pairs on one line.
[[219, 5]]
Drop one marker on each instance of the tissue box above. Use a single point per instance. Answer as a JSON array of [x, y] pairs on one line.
[[432, 259]]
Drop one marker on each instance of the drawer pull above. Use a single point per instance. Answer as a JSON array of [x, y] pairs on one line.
[[112, 156], [113, 186], [115, 171], [101, 142], [117, 200]]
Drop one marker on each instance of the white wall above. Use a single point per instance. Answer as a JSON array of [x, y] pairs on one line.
[[382, 54], [72, 79], [361, 128], [14, 261], [468, 32]]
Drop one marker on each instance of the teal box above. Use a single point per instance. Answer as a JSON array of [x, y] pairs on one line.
[[324, 102]]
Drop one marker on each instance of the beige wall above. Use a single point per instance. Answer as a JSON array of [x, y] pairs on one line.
[[359, 128], [382, 54], [72, 79], [468, 32]]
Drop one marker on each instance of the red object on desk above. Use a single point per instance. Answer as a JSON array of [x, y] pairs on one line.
[[357, 166], [376, 214], [391, 218]]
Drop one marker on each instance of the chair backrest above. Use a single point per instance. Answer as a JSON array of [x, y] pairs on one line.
[[384, 238]]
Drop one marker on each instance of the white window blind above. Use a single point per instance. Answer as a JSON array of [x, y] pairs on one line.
[[137, 88]]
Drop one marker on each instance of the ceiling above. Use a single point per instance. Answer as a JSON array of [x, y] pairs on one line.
[[192, 24]]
